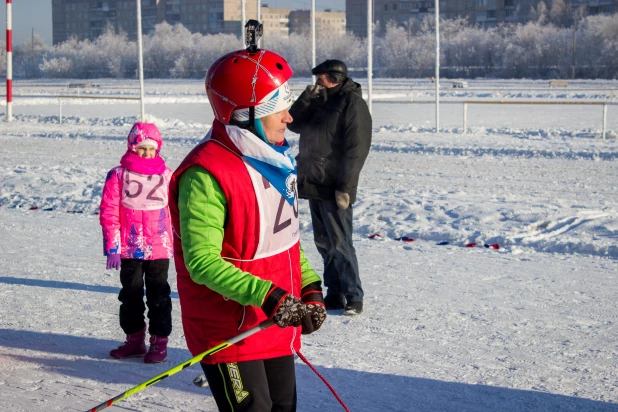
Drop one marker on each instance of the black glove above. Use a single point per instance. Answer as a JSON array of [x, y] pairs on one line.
[[312, 296], [313, 91], [283, 308]]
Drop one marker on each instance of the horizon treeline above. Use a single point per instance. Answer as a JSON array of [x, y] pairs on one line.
[[540, 49]]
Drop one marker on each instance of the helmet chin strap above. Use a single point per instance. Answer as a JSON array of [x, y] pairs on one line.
[[251, 125]]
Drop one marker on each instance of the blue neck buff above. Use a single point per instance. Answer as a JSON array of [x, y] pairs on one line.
[[257, 125]]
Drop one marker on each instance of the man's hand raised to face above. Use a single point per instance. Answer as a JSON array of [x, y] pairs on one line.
[[313, 91]]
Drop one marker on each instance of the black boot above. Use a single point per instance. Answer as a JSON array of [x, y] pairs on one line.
[[353, 308], [334, 301]]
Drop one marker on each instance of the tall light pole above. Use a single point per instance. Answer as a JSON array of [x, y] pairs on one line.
[[312, 18], [437, 76], [258, 14], [574, 43], [9, 61], [140, 59], [243, 20], [370, 54]]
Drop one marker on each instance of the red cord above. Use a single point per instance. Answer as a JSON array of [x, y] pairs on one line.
[[300, 355]]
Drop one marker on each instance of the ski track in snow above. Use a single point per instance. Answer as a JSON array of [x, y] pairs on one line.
[[528, 327]]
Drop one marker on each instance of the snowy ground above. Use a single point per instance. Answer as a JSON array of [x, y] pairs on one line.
[[528, 327]]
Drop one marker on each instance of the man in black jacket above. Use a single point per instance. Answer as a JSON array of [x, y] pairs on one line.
[[334, 125]]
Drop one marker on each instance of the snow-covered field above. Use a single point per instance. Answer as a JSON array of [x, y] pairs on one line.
[[530, 326]]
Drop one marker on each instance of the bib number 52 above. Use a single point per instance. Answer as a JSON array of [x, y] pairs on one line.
[[143, 192]]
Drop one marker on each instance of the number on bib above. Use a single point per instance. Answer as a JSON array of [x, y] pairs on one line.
[[143, 192], [279, 220]]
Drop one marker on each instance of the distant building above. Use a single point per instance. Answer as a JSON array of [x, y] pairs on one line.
[[87, 19], [210, 17], [153, 12], [275, 20], [486, 13], [325, 21], [356, 17]]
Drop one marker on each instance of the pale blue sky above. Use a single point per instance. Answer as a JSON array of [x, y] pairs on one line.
[[29, 14]]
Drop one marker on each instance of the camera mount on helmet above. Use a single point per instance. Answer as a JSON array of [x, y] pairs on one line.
[[253, 33], [243, 78]]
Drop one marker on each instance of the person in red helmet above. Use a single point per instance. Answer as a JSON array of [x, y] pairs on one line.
[[234, 208]]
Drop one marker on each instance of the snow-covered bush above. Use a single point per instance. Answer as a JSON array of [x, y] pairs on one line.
[[56, 67], [541, 48]]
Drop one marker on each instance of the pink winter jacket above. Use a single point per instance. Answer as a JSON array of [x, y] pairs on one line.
[[135, 216]]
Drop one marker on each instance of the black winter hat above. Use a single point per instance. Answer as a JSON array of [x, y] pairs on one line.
[[336, 70]]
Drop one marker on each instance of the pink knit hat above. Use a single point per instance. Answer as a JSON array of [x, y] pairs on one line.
[[142, 131]]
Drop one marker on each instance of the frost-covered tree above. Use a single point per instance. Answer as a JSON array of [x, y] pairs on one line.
[[115, 54], [164, 47], [345, 47], [28, 55], [207, 49], [542, 48], [537, 51], [393, 55], [469, 51], [539, 14], [181, 68], [296, 49], [560, 14], [56, 67], [110, 55], [597, 47]]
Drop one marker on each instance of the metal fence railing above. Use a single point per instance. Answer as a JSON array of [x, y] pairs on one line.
[[604, 104], [465, 103], [413, 91], [71, 97]]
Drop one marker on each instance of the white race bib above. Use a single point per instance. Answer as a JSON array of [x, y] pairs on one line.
[[143, 192], [279, 224]]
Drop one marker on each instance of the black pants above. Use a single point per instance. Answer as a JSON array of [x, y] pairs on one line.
[[132, 275], [332, 233], [253, 386]]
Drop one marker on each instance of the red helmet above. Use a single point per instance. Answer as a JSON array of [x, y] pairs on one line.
[[243, 79]]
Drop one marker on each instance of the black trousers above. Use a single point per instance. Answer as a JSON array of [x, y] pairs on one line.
[[253, 386], [133, 272], [332, 233]]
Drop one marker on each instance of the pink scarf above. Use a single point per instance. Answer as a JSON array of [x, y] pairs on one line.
[[141, 165]]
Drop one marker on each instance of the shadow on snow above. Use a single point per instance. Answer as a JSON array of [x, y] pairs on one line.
[[55, 284], [361, 391]]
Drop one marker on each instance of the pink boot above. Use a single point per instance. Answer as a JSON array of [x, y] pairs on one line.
[[132, 347], [158, 349]]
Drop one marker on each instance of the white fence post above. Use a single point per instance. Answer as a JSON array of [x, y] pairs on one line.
[[140, 60], [604, 119], [465, 118]]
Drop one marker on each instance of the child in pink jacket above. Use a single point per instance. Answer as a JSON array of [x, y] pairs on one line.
[[137, 239]]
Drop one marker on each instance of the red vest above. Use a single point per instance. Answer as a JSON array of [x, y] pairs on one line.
[[209, 318]]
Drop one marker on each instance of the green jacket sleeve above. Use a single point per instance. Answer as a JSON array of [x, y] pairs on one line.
[[202, 206], [308, 274]]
